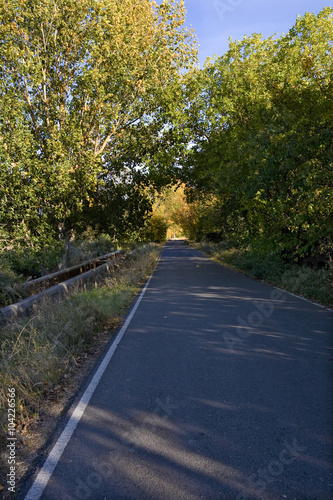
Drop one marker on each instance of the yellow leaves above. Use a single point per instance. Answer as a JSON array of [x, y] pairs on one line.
[[90, 201], [307, 63], [141, 86]]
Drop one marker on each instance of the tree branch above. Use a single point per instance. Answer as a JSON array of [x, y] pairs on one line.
[[37, 132]]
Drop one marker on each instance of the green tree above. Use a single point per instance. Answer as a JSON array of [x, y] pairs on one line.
[[82, 82], [262, 123], [158, 227], [120, 208]]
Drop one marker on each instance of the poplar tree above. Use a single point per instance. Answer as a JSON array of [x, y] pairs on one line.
[[81, 82]]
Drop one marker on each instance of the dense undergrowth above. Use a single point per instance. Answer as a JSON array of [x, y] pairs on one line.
[[314, 283], [37, 354], [17, 266]]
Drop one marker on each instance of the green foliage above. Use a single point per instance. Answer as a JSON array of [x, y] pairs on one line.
[[267, 267], [11, 289], [18, 265], [312, 283], [35, 262], [119, 208], [86, 249], [315, 284], [157, 229], [263, 140], [84, 89]]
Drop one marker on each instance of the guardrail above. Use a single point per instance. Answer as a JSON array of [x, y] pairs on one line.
[[40, 284], [63, 283], [57, 285]]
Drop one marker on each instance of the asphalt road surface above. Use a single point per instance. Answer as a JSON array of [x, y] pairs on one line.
[[220, 388]]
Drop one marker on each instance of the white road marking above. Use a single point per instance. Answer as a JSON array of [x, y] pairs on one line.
[[53, 458], [303, 298]]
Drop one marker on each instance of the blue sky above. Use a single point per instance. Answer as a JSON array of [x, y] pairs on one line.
[[216, 20]]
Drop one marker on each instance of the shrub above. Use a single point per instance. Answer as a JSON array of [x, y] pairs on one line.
[[264, 267], [316, 284], [11, 289], [266, 264], [158, 228], [81, 250]]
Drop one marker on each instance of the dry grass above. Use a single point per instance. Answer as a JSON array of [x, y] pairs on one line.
[[39, 354]]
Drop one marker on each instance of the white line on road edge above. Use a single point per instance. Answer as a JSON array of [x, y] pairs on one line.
[[303, 298], [53, 458]]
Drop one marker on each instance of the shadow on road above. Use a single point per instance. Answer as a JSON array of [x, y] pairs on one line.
[[221, 389]]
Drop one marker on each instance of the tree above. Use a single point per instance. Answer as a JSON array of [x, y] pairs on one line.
[[82, 82], [262, 123], [120, 208]]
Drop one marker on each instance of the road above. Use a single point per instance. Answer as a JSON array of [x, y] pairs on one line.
[[220, 388]]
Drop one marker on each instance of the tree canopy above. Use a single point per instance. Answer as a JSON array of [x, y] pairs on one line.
[[262, 139], [83, 84], [100, 99]]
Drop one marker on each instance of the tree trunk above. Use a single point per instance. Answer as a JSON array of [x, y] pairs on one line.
[[65, 234], [67, 239]]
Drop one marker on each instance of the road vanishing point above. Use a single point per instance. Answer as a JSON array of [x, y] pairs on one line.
[[217, 386]]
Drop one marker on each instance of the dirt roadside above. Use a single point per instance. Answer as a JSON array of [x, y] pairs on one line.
[[34, 434]]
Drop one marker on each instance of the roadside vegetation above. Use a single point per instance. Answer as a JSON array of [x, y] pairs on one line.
[[111, 136], [248, 138], [18, 265], [40, 355], [310, 276], [259, 171], [314, 283]]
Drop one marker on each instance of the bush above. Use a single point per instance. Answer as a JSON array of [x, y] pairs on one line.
[[82, 250], [158, 228], [316, 284], [11, 289], [266, 264], [263, 267], [34, 262]]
